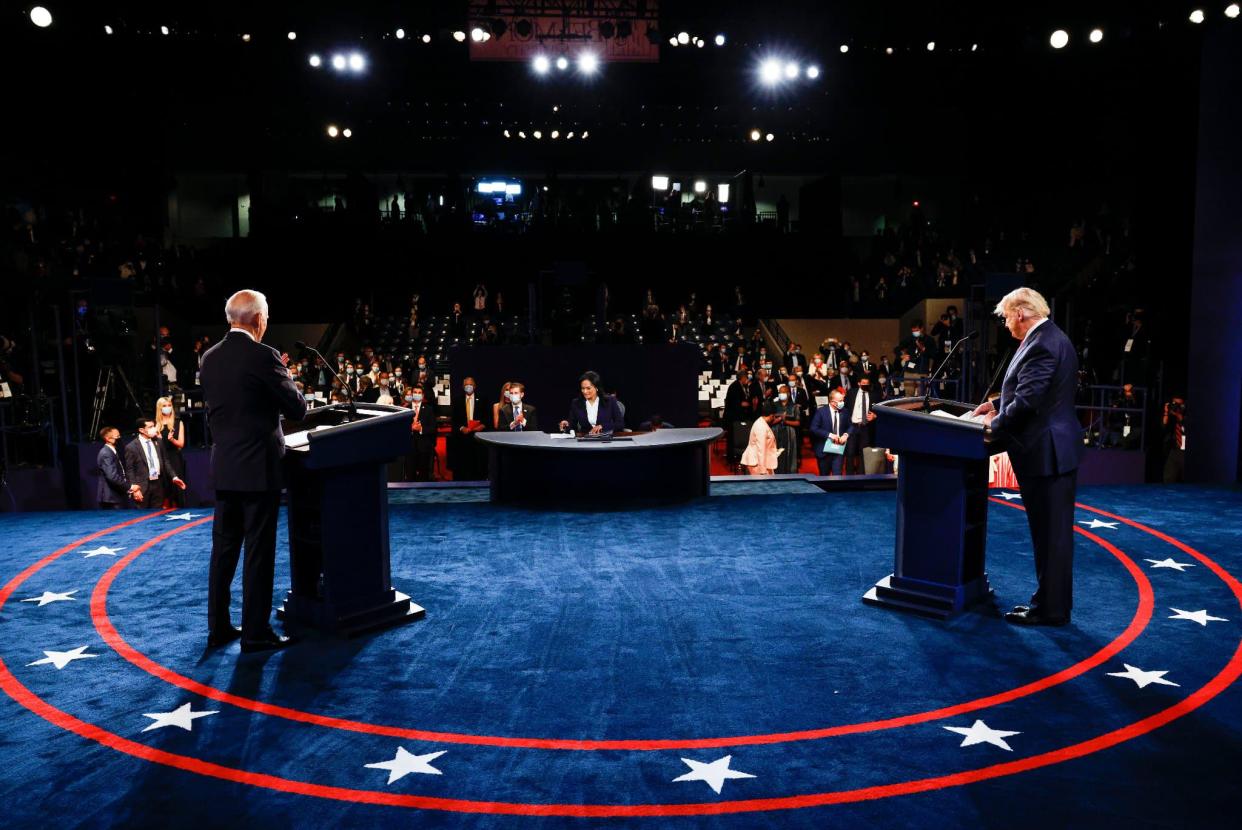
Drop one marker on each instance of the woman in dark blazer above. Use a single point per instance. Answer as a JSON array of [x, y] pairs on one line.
[[593, 412]]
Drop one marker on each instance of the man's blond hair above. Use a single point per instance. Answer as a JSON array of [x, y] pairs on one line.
[[1023, 299]]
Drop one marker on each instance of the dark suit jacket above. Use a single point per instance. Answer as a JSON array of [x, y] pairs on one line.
[[851, 400], [113, 486], [1035, 417], [733, 410], [795, 359], [247, 389], [609, 416], [821, 428], [426, 441], [138, 471], [532, 417]]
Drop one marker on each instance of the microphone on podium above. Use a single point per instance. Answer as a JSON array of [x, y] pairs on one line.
[[349, 393], [936, 374]]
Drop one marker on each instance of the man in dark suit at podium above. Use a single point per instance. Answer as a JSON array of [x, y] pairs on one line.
[[1035, 421], [247, 388]]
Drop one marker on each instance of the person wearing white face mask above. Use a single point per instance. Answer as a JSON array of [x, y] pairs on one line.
[[384, 395], [516, 415], [830, 430], [146, 466], [785, 428], [171, 431], [467, 458], [422, 435]]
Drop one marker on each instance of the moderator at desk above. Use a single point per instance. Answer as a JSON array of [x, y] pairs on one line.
[[664, 464]]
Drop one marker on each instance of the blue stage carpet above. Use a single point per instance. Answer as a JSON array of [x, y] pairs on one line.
[[708, 664]]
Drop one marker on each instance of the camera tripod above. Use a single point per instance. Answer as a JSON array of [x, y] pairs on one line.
[[104, 387]]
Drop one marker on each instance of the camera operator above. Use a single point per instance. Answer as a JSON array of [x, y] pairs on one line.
[[8, 374], [1174, 420]]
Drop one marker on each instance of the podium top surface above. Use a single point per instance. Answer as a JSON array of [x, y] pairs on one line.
[[903, 426], [625, 442]]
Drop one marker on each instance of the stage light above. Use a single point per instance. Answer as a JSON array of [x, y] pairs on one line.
[[1059, 39], [585, 134], [556, 134], [770, 137], [339, 63], [915, 203], [812, 72], [163, 30], [700, 43], [541, 64], [107, 30], [683, 38], [700, 186], [1232, 11], [845, 47], [292, 36], [459, 36], [659, 183], [672, 41], [426, 38], [755, 135], [722, 192], [588, 63], [974, 47], [476, 34], [931, 46], [507, 134], [792, 70], [569, 135], [521, 134], [720, 40], [770, 71], [333, 132], [538, 134], [347, 132], [888, 50], [1197, 16], [562, 63], [246, 38], [1096, 35], [316, 61], [400, 33], [556, 107], [41, 17], [357, 62]]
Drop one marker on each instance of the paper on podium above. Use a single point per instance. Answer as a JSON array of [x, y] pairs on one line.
[[965, 416], [300, 439]]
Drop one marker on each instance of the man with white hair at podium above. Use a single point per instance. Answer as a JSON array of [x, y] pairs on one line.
[[246, 387], [1035, 421]]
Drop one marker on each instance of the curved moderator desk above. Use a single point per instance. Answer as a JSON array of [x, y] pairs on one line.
[[665, 464]]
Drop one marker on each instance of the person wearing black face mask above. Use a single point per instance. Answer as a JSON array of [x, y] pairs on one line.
[[908, 344], [862, 427]]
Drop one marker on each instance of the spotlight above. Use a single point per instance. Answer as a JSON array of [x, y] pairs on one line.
[[507, 134], [720, 40], [683, 38], [426, 38], [347, 132], [339, 63], [476, 34], [1196, 16], [107, 30], [888, 50], [770, 71], [246, 38], [357, 62], [333, 131], [41, 17], [556, 134], [1232, 11], [163, 30], [1096, 35], [672, 41], [812, 72], [292, 36], [791, 70], [659, 183], [845, 47], [556, 107], [585, 133], [316, 61], [562, 63], [400, 33], [974, 47], [588, 63], [700, 43], [537, 134], [569, 135], [541, 64], [769, 137], [722, 193], [755, 135], [700, 186], [1059, 38], [459, 36], [521, 134], [931, 46]]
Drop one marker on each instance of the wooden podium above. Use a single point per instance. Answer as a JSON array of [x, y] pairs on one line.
[[337, 478], [942, 508]]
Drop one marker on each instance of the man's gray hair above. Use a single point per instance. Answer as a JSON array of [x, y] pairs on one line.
[[244, 306], [1026, 299]]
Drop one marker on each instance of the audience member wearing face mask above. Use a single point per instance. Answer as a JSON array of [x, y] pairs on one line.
[[517, 415]]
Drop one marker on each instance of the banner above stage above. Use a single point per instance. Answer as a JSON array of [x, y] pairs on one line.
[[615, 30]]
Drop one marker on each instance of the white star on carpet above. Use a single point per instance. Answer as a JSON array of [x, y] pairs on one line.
[[179, 517], [1201, 617], [1009, 496], [182, 716], [1096, 524], [60, 659], [1143, 678], [1169, 563], [403, 763], [52, 596], [102, 550], [713, 774], [980, 733]]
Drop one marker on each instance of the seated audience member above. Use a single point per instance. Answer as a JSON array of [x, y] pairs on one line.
[[146, 466], [114, 489], [366, 392], [830, 431], [384, 392], [762, 456], [516, 415]]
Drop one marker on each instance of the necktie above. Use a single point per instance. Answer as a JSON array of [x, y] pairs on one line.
[[470, 408], [517, 413], [836, 426], [152, 470], [866, 406]]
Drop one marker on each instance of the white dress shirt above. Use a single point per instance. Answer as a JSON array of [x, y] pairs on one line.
[[152, 455], [592, 411]]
